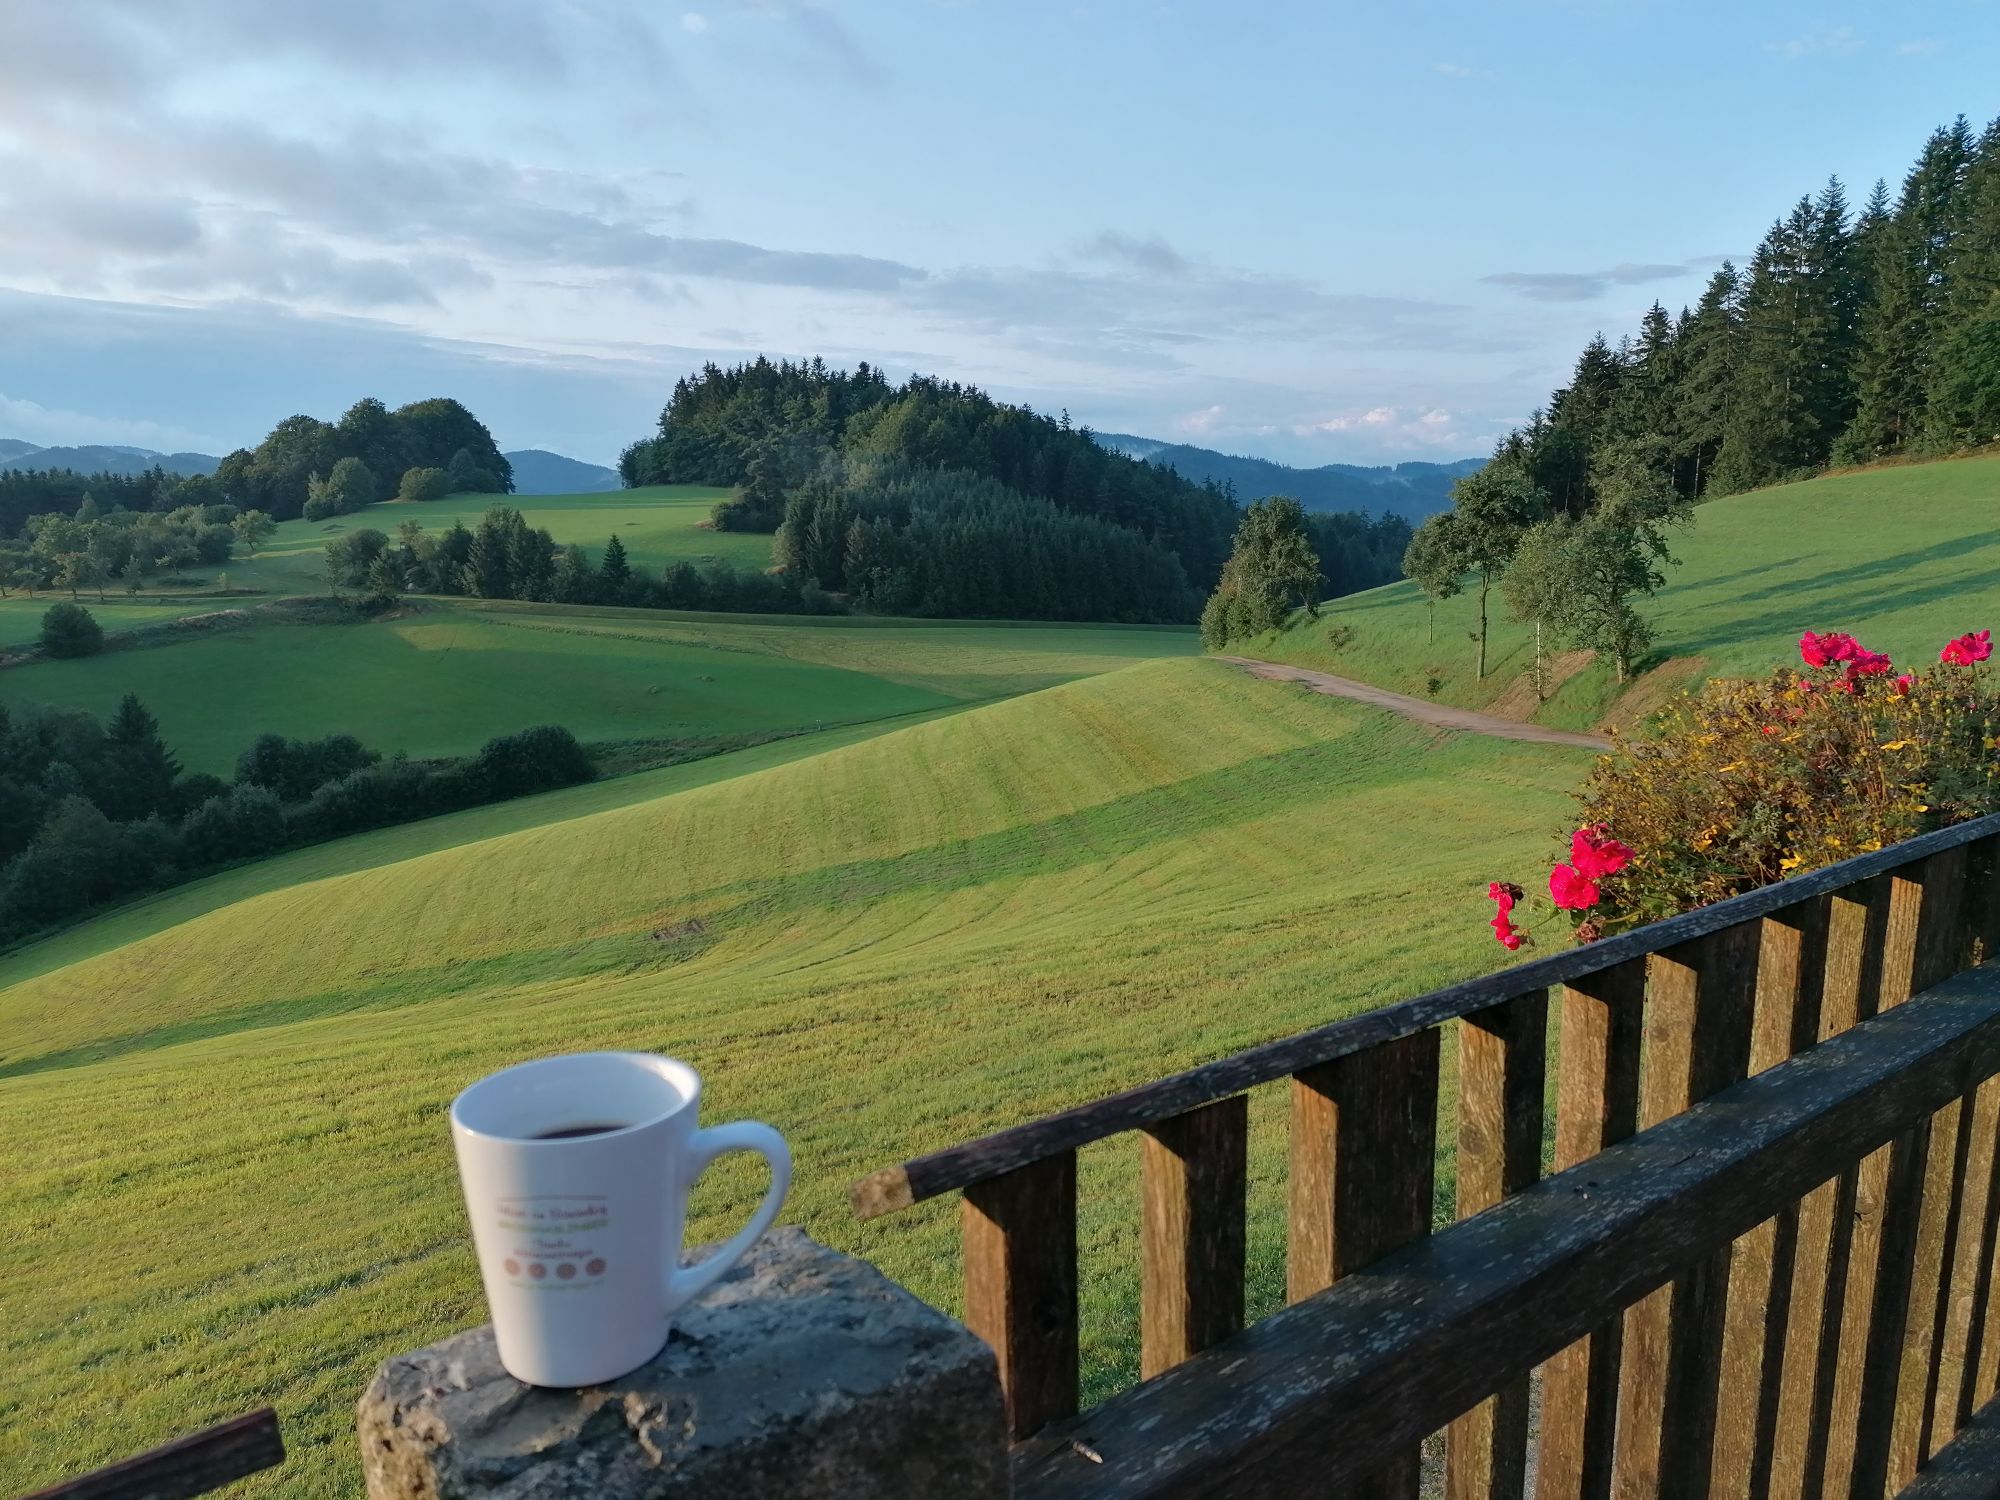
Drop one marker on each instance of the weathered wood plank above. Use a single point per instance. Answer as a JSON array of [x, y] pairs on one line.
[[1020, 1286], [1315, 1396], [1502, 1071], [899, 1186], [193, 1465], [1597, 1105], [1811, 1444], [1968, 1468], [1699, 1009], [1969, 1288], [1897, 1250], [1791, 968], [1363, 1171], [1193, 1181]]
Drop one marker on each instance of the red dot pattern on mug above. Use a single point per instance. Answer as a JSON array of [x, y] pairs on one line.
[[513, 1266], [566, 1272], [537, 1270], [595, 1267]]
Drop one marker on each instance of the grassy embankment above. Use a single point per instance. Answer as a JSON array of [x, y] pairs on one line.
[[1904, 556]]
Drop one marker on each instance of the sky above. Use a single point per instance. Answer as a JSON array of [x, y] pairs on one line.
[[1317, 232]]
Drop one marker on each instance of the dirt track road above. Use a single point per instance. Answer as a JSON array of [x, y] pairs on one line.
[[1469, 721]]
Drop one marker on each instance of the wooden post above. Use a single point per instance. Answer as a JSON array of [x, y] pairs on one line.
[[1193, 1178], [1020, 1285], [1698, 1021], [1502, 1067], [1968, 1294], [1597, 1105], [1363, 1170], [1894, 1269], [1791, 966]]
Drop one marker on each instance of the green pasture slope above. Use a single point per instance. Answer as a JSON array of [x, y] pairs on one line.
[[1904, 557], [228, 1180], [659, 525], [446, 676]]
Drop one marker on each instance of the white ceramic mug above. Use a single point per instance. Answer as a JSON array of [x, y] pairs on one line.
[[578, 1227]]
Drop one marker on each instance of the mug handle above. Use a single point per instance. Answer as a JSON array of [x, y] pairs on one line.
[[685, 1283]]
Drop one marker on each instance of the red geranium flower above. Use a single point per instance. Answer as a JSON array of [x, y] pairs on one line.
[[1503, 895], [1964, 650], [1595, 854], [1904, 684], [1825, 650], [1571, 889]]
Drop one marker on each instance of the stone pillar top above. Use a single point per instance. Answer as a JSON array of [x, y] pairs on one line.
[[801, 1372]]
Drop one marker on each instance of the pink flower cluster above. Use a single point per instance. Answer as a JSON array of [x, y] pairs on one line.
[[1964, 650], [1837, 648], [1504, 894], [1593, 855]]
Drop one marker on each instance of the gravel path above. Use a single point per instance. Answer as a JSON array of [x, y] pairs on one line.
[[1468, 720]]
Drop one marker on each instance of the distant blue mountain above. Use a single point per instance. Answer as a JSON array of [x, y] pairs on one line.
[[540, 472], [101, 458], [1412, 490]]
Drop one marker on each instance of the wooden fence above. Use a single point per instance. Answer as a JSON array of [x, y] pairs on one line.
[[1765, 1265]]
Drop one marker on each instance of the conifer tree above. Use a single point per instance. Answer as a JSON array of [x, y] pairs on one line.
[[1710, 352], [614, 573], [1911, 258]]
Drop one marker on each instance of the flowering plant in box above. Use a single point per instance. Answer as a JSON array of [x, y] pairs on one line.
[[1748, 782]]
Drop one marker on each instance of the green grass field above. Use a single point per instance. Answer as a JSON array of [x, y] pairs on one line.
[[659, 525], [1904, 557], [229, 1181], [447, 677]]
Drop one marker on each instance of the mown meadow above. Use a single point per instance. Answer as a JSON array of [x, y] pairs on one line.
[[230, 1182]]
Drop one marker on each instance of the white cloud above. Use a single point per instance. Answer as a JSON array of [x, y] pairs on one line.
[[1202, 422], [1820, 41], [694, 22], [1393, 427], [1921, 47], [1459, 70], [51, 427]]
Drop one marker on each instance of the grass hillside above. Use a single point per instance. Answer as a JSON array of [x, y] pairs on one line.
[[659, 525], [444, 677], [228, 1179], [1904, 557]]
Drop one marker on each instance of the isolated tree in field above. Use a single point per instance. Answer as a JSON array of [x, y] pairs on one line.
[[253, 528], [71, 630], [349, 557], [1538, 584], [1477, 536], [614, 574], [1594, 568], [1271, 569], [422, 484]]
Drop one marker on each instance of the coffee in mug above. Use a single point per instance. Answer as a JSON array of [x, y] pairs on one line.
[[576, 1172]]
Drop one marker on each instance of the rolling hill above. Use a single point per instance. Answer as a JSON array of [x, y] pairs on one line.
[[1412, 490], [93, 458], [875, 947], [1903, 556], [882, 937]]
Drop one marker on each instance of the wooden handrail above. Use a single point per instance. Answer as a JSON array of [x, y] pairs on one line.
[[1321, 1394], [897, 1187], [189, 1466]]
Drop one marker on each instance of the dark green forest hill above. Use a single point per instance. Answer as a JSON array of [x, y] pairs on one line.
[[931, 498]]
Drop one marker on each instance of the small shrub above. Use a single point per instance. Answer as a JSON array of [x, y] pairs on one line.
[[71, 630], [422, 483], [534, 760]]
